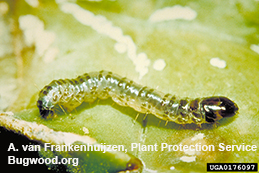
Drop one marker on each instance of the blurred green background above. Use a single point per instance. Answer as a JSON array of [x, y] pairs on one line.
[[225, 29]]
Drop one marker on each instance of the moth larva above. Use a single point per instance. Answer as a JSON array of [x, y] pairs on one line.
[[70, 93]]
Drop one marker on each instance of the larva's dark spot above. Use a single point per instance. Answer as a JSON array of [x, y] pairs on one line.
[[183, 115], [168, 95], [194, 104], [144, 105], [180, 120], [183, 103], [172, 100], [90, 86], [71, 104], [87, 76], [100, 76], [49, 88], [120, 84], [149, 93], [127, 86], [65, 93], [58, 82], [107, 89], [162, 103], [75, 82], [141, 91], [55, 97], [108, 77], [45, 92], [71, 82], [80, 93], [93, 92], [82, 80], [196, 115]]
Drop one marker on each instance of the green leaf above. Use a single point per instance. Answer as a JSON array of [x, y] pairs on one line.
[[220, 30]]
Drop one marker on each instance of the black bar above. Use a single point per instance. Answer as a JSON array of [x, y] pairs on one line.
[[231, 167]]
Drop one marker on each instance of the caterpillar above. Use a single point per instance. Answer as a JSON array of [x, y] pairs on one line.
[[70, 93]]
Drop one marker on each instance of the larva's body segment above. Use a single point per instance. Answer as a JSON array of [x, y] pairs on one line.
[[103, 84]]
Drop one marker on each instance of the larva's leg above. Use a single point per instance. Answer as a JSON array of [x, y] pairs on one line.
[[98, 100], [136, 117], [71, 106], [145, 116], [215, 125], [62, 109]]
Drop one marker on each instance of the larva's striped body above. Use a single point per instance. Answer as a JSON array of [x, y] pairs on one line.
[[70, 93]]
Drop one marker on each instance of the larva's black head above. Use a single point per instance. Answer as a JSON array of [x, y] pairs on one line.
[[216, 108], [44, 112]]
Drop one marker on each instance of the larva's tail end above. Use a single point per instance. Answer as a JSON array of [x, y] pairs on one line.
[[45, 113], [216, 108]]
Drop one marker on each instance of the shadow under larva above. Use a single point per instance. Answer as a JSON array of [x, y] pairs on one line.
[[70, 93]]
